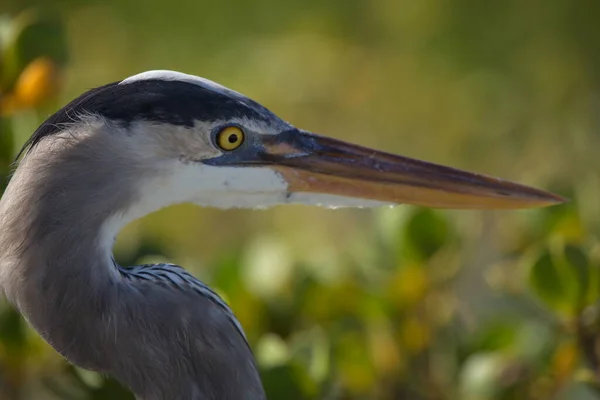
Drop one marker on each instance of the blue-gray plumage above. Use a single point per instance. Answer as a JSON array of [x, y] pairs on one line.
[[127, 149]]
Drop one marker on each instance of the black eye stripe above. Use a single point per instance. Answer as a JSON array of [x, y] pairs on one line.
[[154, 100]]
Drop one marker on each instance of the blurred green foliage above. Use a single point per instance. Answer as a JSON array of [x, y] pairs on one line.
[[403, 303]]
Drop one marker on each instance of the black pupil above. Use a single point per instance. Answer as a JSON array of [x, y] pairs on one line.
[[233, 138]]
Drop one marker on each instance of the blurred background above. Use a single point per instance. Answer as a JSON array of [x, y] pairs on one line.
[[404, 303]]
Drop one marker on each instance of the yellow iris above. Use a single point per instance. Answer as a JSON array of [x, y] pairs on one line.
[[230, 138]]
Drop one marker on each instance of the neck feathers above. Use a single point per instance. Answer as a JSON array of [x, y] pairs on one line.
[[58, 222], [53, 266]]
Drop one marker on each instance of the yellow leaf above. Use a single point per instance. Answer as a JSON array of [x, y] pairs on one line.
[[38, 82], [409, 285], [564, 361]]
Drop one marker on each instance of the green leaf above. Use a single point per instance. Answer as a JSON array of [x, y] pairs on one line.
[[288, 382], [547, 283], [593, 294], [12, 331], [425, 233], [32, 34], [111, 389], [495, 336], [579, 266], [563, 282], [44, 37]]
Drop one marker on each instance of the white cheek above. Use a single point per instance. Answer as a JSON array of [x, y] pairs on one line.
[[220, 187], [244, 187], [231, 187]]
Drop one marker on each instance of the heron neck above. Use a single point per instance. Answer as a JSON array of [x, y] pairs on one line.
[[55, 264]]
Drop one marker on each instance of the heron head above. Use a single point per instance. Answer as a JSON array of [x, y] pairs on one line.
[[210, 145]]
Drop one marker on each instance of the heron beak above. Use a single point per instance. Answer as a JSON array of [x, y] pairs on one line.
[[315, 164]]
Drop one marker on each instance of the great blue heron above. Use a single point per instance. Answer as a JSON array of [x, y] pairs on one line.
[[126, 149]]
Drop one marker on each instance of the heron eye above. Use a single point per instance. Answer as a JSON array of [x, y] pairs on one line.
[[230, 138]]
